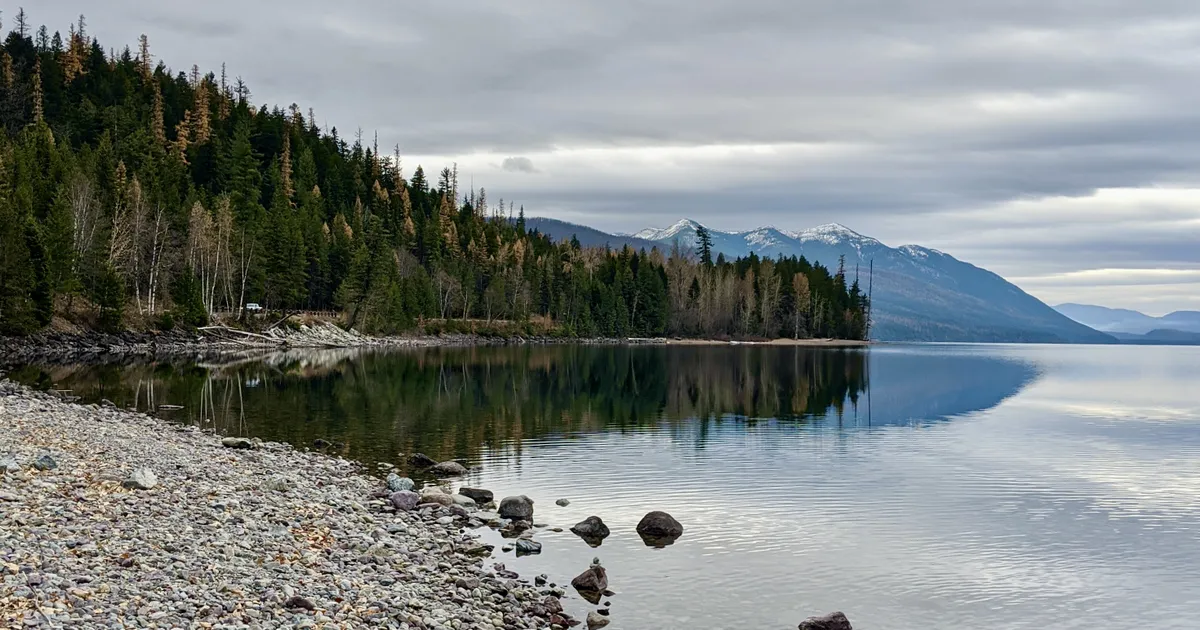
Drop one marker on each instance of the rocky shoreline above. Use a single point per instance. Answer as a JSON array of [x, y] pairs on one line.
[[110, 518], [93, 347]]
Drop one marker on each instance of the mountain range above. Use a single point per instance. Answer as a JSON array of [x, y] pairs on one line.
[[918, 294], [1133, 326]]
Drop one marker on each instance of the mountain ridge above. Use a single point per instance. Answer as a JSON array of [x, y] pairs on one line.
[[919, 293], [1129, 321]]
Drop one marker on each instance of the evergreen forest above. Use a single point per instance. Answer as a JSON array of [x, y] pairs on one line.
[[137, 196]]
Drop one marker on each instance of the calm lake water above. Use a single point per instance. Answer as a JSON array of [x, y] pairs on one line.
[[931, 487]]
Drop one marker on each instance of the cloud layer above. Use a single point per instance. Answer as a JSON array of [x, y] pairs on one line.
[[1040, 139]]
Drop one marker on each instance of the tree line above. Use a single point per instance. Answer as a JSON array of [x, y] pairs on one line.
[[133, 195]]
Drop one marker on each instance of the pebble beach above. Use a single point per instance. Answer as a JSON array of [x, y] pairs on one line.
[[114, 519]]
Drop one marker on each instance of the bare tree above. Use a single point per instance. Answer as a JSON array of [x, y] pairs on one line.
[[803, 301], [448, 289], [156, 256], [85, 216], [768, 288]]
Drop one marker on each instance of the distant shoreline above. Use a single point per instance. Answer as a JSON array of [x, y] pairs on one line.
[[93, 346], [782, 341]]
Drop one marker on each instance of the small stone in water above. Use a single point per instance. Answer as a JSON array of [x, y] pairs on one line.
[[562, 503], [526, 546]]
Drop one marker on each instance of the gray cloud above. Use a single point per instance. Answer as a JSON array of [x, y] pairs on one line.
[[518, 165], [910, 120]]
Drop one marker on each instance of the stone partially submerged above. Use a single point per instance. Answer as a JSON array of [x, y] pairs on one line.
[[518, 508], [592, 530], [421, 460], [832, 621], [659, 529], [479, 495], [592, 583], [448, 469]]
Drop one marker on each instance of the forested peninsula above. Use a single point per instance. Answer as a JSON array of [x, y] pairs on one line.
[[135, 196]]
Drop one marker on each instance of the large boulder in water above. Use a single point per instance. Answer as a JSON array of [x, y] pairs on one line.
[[519, 508], [659, 529], [592, 530], [594, 580], [480, 495], [595, 620], [448, 469], [832, 621]]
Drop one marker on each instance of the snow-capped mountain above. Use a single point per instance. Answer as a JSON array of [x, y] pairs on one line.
[[920, 294]]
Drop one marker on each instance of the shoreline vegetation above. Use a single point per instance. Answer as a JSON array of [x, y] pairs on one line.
[[92, 346], [134, 196]]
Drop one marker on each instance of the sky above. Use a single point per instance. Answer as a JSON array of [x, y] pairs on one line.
[[1055, 142]]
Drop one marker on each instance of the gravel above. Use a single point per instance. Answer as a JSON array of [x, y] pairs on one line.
[[267, 537]]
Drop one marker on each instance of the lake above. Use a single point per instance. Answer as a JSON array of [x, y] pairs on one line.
[[932, 487]]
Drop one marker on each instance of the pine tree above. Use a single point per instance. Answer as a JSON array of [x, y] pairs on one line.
[[38, 113], [202, 126], [183, 131], [157, 126], [147, 71], [285, 167]]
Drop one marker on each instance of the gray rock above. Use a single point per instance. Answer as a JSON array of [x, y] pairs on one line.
[[8, 496], [10, 465], [468, 583], [45, 462], [517, 508], [448, 469], [297, 603], [141, 479], [479, 495], [592, 530], [396, 483], [421, 460], [405, 499], [596, 620], [236, 442], [436, 496], [562, 503], [464, 501], [278, 483], [525, 546], [832, 621]]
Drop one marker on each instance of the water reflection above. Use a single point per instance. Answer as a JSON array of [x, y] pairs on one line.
[[940, 487], [454, 402]]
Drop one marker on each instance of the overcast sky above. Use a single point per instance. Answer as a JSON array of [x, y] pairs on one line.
[[1056, 142]]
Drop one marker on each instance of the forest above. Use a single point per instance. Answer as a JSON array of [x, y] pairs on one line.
[[135, 196]]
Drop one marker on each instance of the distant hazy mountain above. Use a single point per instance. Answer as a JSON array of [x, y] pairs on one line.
[[1134, 327], [588, 237], [920, 294]]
